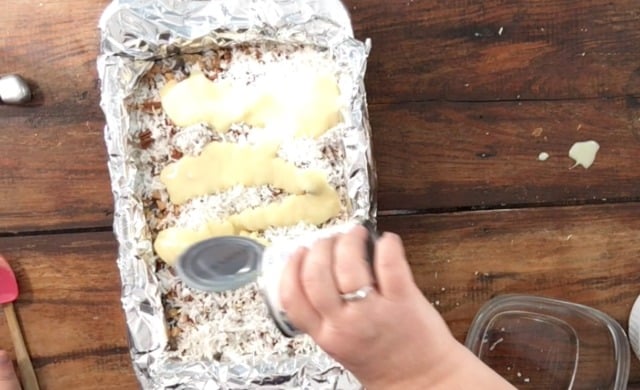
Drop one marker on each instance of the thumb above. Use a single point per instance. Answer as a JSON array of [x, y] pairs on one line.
[[8, 378]]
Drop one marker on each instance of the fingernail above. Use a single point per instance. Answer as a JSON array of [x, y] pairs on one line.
[[4, 358]]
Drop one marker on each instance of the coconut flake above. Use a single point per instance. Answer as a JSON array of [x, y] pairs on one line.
[[234, 325]]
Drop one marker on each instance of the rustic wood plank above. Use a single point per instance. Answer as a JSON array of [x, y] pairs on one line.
[[98, 370], [59, 137], [583, 254], [430, 156], [561, 253], [422, 51], [54, 44], [54, 176], [550, 49], [586, 255], [497, 49], [69, 308], [52, 157], [485, 155]]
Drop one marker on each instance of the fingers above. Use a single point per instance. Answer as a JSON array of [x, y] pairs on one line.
[[293, 296], [351, 269], [394, 276], [317, 278], [314, 279], [8, 378]]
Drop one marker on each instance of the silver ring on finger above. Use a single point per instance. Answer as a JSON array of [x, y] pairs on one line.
[[357, 295]]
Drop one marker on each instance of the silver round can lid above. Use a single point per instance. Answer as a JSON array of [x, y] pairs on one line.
[[220, 264]]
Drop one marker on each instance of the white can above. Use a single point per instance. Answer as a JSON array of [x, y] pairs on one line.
[[274, 261]]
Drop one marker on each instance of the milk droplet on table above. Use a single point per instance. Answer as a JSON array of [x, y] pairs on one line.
[[544, 156], [584, 153]]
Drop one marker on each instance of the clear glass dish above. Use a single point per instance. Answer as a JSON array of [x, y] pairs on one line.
[[544, 343]]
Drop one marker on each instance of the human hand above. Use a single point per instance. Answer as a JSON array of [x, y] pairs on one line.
[[8, 378], [391, 339]]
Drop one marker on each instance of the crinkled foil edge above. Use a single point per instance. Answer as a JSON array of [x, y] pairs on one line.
[[133, 34]]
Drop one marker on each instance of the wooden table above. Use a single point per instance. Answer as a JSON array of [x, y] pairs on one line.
[[463, 96]]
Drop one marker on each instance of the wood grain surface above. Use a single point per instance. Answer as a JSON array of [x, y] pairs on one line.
[[429, 156], [499, 50], [73, 321], [69, 309], [587, 255], [463, 96], [460, 155], [434, 156]]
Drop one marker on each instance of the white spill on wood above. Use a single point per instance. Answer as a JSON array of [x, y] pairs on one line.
[[584, 153], [544, 156]]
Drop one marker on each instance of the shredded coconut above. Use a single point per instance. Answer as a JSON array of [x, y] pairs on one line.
[[230, 326]]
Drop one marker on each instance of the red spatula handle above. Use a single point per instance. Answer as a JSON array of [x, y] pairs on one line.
[[27, 374]]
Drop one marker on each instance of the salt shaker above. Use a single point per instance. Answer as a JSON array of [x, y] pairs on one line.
[[14, 90]]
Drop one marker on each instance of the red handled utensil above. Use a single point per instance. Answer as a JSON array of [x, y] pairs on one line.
[[8, 294]]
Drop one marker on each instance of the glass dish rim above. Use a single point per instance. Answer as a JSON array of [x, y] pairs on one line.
[[538, 304]]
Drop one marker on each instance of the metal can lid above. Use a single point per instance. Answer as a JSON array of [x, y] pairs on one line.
[[220, 264]]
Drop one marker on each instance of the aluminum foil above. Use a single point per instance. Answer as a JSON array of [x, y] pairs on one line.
[[134, 33]]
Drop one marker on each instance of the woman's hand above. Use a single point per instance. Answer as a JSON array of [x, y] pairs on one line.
[[391, 339], [8, 378]]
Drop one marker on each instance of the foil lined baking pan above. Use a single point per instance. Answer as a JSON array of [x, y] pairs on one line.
[[134, 34]]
